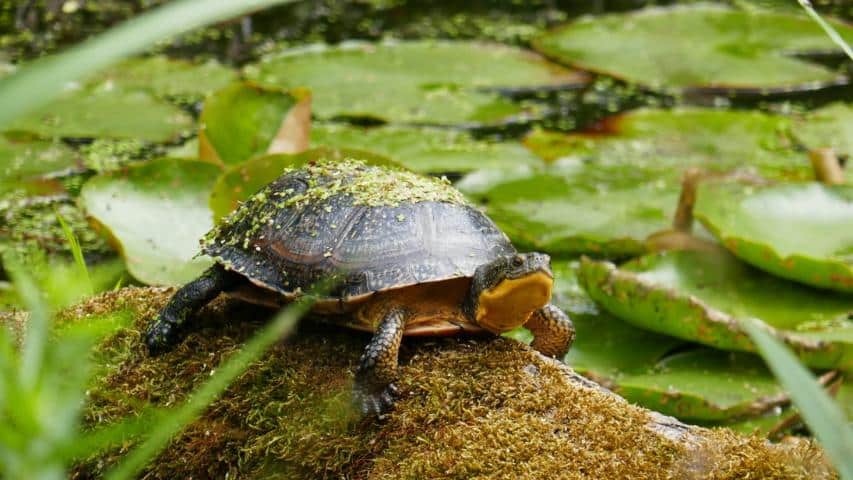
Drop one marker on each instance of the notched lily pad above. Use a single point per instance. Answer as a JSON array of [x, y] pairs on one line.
[[830, 126], [30, 161], [699, 48], [170, 78], [424, 82], [428, 150], [240, 182], [704, 296], [705, 384], [242, 121], [802, 231], [107, 112], [155, 213], [605, 192]]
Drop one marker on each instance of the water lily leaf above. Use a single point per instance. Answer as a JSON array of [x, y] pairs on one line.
[[703, 296], [699, 47], [25, 160], [429, 150], [830, 126], [240, 182], [107, 112], [705, 384], [802, 231], [599, 350], [170, 78], [604, 193], [242, 120], [155, 214], [425, 82]]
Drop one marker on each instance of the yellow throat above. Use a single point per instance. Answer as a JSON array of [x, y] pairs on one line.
[[509, 304]]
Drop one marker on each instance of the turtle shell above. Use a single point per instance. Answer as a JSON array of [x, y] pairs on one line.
[[374, 228]]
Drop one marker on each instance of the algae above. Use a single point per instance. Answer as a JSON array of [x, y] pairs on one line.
[[471, 407]]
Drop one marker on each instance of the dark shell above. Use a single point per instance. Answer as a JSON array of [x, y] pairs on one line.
[[288, 248]]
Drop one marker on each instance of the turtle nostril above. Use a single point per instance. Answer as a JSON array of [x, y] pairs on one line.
[[518, 261]]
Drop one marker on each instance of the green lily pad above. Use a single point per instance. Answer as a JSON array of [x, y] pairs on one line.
[[155, 213], [604, 193], [107, 112], [241, 121], [704, 296], [704, 384], [425, 82], [699, 47], [695, 385], [801, 231], [29, 160], [429, 150], [240, 182], [170, 78], [830, 126]]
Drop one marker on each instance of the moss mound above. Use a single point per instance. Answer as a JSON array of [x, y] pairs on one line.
[[470, 408]]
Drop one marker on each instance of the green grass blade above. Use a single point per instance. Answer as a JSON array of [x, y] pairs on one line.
[[173, 422], [77, 252], [38, 325], [823, 416], [37, 84], [833, 34]]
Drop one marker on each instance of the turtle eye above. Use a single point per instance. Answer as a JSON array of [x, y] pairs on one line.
[[517, 261]]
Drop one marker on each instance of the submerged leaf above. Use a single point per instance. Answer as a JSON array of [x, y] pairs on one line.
[[699, 47], [155, 213], [830, 126], [425, 82], [703, 297], [169, 77], [803, 232]]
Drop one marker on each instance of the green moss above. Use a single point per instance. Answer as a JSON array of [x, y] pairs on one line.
[[469, 407]]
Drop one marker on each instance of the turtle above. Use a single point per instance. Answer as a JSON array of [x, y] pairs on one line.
[[410, 256]]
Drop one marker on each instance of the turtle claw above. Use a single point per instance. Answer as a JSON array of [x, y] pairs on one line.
[[375, 403]]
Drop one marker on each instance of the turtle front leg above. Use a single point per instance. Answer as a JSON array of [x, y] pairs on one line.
[[166, 328], [553, 331], [373, 392]]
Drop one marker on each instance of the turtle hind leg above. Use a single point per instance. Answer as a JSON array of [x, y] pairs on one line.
[[373, 392], [167, 327], [553, 331]]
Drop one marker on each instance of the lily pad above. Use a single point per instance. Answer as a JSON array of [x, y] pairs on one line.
[[241, 121], [25, 160], [429, 150], [802, 231], [240, 182], [704, 296], [705, 384], [606, 191], [699, 47], [155, 213], [830, 126], [424, 82], [107, 112], [170, 78]]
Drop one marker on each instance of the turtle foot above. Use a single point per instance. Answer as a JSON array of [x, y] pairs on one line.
[[161, 336], [377, 402]]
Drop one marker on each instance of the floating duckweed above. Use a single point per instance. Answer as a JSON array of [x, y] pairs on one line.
[[366, 185]]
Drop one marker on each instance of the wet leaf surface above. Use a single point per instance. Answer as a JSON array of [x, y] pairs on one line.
[[830, 126], [170, 78], [605, 192], [241, 121], [428, 150], [155, 213], [698, 47], [107, 112], [703, 296], [427, 82], [803, 231], [24, 159]]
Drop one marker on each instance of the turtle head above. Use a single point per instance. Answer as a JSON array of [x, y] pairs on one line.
[[505, 291]]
